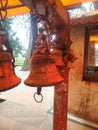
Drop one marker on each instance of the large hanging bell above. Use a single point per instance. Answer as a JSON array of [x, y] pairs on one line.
[[8, 78], [43, 71]]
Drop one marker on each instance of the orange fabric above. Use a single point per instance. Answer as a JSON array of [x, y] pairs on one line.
[[72, 2], [17, 11]]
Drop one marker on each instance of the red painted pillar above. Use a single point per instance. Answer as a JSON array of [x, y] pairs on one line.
[[61, 101]]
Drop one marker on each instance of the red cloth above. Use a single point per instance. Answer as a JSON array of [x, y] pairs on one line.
[[42, 48]]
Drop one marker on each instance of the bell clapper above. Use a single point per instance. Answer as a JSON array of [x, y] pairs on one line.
[[38, 93]]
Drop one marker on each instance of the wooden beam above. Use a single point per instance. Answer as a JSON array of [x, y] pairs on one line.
[[61, 10]]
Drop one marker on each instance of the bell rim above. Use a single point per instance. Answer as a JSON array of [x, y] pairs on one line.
[[41, 85], [10, 87]]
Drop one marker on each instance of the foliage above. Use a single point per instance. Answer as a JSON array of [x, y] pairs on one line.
[[19, 61], [14, 25], [15, 44]]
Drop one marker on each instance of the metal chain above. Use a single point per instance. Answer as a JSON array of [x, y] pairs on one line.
[[3, 30], [3, 15]]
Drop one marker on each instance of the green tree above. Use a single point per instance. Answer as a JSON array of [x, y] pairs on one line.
[[14, 25], [14, 41]]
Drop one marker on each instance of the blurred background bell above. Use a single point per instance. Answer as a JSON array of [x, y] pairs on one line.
[[58, 57], [58, 51], [8, 78]]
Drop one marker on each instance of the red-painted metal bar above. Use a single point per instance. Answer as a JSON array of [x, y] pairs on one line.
[[61, 102]]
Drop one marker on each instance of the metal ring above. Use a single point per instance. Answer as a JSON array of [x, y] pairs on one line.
[[39, 101]]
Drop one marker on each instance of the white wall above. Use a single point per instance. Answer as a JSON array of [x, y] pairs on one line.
[[83, 96]]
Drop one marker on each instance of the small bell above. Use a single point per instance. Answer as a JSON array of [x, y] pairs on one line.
[[58, 57], [8, 79]]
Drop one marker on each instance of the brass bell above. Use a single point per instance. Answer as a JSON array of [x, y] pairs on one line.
[[8, 79], [43, 71]]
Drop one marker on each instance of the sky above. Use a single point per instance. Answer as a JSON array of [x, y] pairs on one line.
[[21, 25]]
